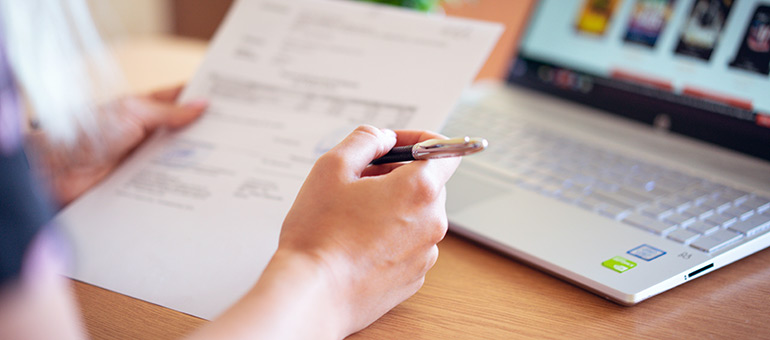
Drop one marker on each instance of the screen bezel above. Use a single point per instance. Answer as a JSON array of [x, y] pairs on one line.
[[633, 100]]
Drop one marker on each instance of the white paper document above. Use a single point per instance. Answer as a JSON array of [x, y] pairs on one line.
[[190, 220]]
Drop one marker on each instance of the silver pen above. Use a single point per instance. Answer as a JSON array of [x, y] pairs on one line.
[[433, 148]]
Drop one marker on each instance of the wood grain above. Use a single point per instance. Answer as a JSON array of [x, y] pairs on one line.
[[476, 293], [473, 292], [109, 315]]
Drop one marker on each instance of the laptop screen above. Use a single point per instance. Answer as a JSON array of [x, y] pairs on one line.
[[696, 67]]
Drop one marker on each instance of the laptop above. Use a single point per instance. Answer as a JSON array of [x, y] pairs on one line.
[[629, 148]]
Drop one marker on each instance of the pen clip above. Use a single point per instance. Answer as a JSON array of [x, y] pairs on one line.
[[441, 148]]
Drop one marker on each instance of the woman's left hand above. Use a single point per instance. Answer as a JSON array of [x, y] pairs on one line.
[[71, 170]]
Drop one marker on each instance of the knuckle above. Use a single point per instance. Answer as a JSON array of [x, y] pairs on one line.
[[439, 232], [425, 187], [330, 161], [418, 284], [434, 135], [432, 257], [366, 129]]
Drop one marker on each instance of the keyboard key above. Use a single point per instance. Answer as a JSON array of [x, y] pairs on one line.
[[676, 202], [652, 194], [570, 195], [734, 195], [671, 184], [681, 220], [649, 224], [703, 227], [698, 212], [590, 203], [718, 204], [614, 212], [550, 189], [557, 173], [604, 196], [683, 236], [760, 204], [716, 241], [721, 220], [529, 184], [623, 199], [632, 197], [741, 213], [657, 211], [696, 194], [605, 186], [752, 225], [740, 200]]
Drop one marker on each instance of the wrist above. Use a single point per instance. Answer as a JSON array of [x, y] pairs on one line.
[[295, 298], [311, 281]]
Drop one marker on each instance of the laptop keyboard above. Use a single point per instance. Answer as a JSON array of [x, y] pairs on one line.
[[705, 215]]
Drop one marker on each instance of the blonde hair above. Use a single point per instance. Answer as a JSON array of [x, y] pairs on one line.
[[59, 63]]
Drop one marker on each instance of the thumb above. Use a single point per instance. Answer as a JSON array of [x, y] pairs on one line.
[[362, 146], [181, 115], [154, 114]]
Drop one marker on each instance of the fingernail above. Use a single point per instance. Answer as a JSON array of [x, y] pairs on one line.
[[389, 132], [197, 104]]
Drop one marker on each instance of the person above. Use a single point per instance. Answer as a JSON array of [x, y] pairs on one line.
[[341, 263]]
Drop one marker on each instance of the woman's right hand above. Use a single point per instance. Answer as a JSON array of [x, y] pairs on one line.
[[373, 229], [357, 241]]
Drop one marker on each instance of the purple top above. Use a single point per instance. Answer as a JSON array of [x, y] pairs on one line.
[[10, 111], [23, 209]]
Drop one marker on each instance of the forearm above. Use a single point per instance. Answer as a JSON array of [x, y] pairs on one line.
[[294, 299], [39, 305]]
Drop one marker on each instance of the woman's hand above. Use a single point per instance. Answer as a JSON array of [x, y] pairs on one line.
[[121, 127], [374, 229], [357, 241]]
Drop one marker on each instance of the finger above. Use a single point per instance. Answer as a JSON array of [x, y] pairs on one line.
[[403, 137], [442, 226], [437, 170], [431, 258], [421, 261], [178, 116], [360, 147], [408, 137], [152, 115], [168, 95], [381, 169]]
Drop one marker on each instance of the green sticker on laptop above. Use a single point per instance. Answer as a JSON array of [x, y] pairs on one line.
[[619, 264]]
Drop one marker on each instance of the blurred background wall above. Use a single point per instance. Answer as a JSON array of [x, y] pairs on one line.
[[198, 19]]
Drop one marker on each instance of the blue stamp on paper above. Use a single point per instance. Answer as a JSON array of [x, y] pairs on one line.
[[647, 253]]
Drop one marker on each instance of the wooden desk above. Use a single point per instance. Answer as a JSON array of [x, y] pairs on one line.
[[472, 292]]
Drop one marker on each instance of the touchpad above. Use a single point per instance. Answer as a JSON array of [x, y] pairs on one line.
[[465, 189]]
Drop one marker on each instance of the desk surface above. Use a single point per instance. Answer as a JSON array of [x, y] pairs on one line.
[[472, 292], [475, 293]]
